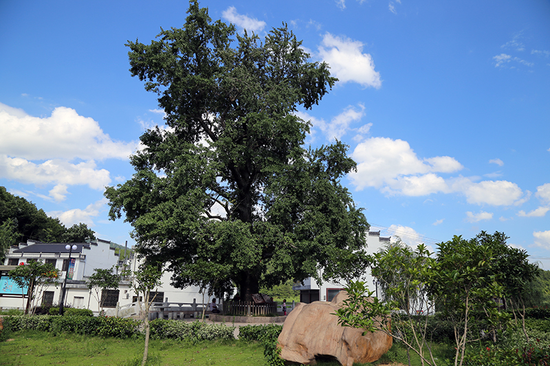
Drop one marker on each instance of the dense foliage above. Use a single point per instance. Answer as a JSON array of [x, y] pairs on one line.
[[119, 327], [21, 220], [471, 282], [226, 193]]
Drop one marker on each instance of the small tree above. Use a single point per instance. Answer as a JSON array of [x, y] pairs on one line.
[[33, 276], [146, 279], [403, 275], [465, 280], [100, 281]]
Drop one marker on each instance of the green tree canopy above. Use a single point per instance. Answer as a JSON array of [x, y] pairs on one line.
[[29, 222], [226, 193]]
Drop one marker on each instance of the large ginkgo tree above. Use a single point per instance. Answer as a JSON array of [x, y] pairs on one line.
[[227, 193]]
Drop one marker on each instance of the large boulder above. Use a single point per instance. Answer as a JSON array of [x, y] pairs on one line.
[[312, 330]]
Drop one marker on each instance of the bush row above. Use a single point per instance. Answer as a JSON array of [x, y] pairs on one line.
[[194, 332], [118, 327]]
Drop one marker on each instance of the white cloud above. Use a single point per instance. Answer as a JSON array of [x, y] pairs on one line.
[[539, 212], [250, 24], [383, 162], [392, 8], [61, 149], [341, 4], [407, 234], [540, 52], [361, 132], [54, 171], [338, 125], [501, 59], [471, 217], [497, 162], [542, 239], [63, 135], [59, 192], [76, 216], [543, 193], [393, 167], [515, 43], [496, 193], [315, 24], [347, 62], [422, 185], [438, 222]]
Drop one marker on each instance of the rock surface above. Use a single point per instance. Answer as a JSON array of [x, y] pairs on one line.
[[312, 330]]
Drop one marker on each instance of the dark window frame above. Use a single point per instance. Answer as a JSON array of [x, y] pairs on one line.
[[109, 298]]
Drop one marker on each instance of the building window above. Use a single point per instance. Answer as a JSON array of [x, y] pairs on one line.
[[109, 298], [12, 262], [51, 261], [156, 296], [78, 302], [65, 265], [47, 298], [309, 296], [331, 292]]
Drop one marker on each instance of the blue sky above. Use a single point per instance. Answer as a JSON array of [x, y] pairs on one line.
[[445, 107]]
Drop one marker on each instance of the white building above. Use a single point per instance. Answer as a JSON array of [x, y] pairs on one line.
[[84, 259], [310, 291]]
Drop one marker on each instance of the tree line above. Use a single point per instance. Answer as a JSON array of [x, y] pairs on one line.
[[21, 220]]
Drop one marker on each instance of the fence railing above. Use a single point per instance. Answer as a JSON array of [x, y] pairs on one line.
[[179, 310], [163, 310], [248, 308]]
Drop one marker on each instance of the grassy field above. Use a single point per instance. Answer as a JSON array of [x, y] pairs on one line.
[[39, 348]]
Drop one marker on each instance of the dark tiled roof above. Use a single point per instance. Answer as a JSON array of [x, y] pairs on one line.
[[51, 248]]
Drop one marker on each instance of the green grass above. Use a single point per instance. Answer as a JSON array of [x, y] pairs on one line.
[[39, 348]]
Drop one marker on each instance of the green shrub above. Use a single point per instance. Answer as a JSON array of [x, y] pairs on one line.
[[492, 356], [53, 311], [75, 324], [192, 332], [117, 327], [538, 313], [257, 332], [11, 312], [78, 312]]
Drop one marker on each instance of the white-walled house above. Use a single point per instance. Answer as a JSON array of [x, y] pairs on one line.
[[310, 291], [84, 259]]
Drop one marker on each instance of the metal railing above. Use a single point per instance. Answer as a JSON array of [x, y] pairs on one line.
[[249, 308]]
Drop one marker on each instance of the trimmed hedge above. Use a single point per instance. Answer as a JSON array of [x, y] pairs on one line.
[[193, 332], [118, 327], [259, 332]]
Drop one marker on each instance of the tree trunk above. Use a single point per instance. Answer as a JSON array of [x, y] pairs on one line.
[[29, 296], [249, 285], [147, 330]]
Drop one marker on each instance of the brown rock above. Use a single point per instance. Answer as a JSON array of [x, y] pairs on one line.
[[312, 330]]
